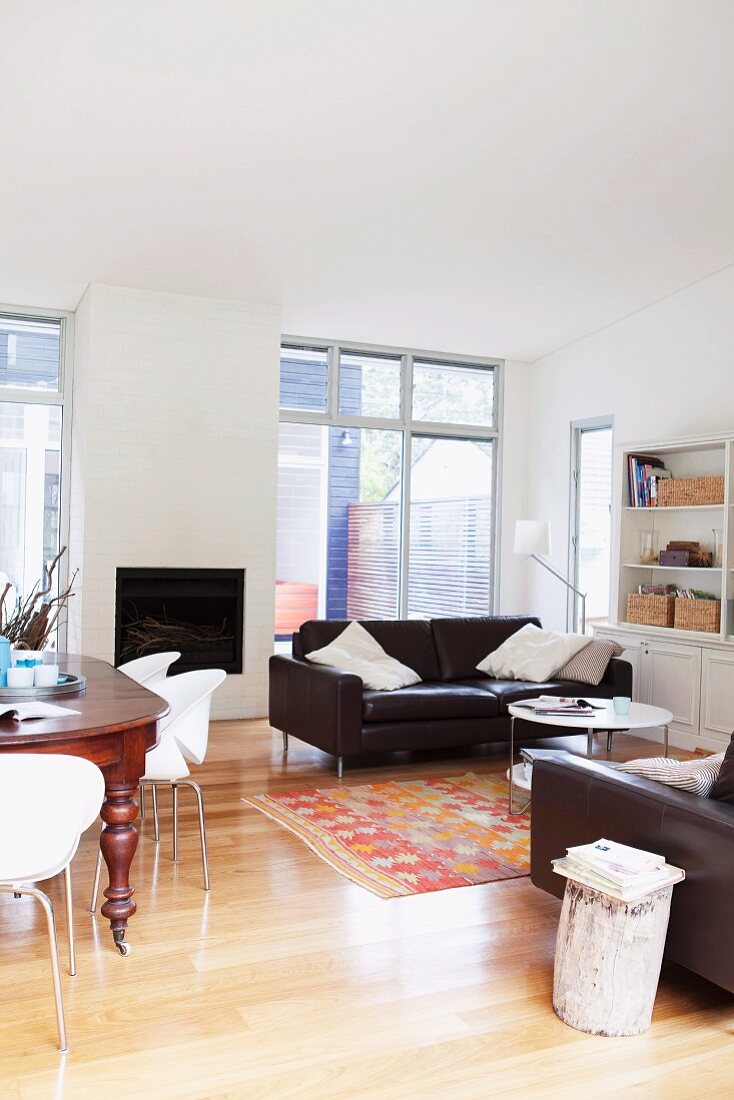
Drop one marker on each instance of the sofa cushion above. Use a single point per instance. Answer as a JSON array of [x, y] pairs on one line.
[[462, 643], [433, 702], [408, 641], [511, 691], [723, 789]]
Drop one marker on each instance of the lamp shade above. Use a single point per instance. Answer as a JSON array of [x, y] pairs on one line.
[[532, 536]]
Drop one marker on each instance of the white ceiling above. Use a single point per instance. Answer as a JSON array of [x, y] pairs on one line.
[[484, 176]]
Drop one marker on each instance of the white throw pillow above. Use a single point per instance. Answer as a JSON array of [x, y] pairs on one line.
[[532, 654], [355, 650]]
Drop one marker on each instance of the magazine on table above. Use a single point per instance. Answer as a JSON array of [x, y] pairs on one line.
[[23, 711], [618, 862], [555, 704], [666, 875]]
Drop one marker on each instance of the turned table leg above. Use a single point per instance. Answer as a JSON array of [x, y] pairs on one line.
[[118, 843]]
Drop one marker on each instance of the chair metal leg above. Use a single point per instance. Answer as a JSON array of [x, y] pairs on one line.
[[285, 741], [340, 767], [95, 887], [202, 827], [154, 800], [142, 802], [70, 919], [175, 822], [51, 925]]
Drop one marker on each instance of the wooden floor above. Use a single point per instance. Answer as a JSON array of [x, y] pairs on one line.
[[288, 981]]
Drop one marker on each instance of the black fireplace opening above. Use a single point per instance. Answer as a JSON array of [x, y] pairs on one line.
[[199, 612]]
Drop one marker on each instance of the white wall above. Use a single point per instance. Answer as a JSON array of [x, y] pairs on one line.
[[174, 445], [665, 371]]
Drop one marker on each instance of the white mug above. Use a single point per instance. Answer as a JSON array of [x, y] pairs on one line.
[[45, 675], [20, 677]]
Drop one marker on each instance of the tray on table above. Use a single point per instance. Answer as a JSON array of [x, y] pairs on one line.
[[69, 684]]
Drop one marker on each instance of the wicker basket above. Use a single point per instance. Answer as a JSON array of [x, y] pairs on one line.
[[678, 492], [651, 610], [702, 615]]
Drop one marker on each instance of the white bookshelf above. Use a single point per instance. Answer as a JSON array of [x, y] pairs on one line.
[[684, 458], [689, 672]]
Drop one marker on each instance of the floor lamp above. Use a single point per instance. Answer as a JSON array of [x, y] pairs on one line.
[[533, 540]]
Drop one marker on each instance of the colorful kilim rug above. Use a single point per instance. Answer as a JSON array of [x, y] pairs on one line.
[[409, 838]]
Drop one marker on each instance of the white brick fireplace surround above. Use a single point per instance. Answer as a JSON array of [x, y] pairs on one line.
[[174, 459]]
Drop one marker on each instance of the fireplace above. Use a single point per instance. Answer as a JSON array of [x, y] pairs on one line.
[[199, 612]]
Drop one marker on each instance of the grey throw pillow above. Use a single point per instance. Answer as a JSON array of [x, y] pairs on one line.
[[696, 776], [590, 663]]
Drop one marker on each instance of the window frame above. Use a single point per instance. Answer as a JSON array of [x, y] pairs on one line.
[[61, 397], [578, 429], [411, 429]]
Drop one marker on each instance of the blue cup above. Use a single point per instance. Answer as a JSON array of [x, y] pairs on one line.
[[622, 704], [5, 661]]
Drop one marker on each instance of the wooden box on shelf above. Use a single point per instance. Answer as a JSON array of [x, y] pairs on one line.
[[651, 610], [703, 615], [679, 492]]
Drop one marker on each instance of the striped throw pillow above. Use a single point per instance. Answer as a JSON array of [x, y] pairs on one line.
[[696, 776], [590, 663]]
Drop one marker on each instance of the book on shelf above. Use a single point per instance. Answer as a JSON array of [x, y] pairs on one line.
[[674, 590], [644, 472]]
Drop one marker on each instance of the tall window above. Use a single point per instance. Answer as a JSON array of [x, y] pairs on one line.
[[386, 484], [591, 519], [31, 430]]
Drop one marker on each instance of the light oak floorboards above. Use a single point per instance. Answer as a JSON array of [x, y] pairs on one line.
[[289, 981]]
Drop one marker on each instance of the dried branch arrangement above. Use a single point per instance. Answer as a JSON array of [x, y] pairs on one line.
[[30, 623], [147, 634]]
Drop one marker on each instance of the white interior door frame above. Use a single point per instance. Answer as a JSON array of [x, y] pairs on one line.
[[578, 428]]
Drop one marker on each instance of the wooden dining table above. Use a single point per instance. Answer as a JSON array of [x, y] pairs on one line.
[[118, 723]]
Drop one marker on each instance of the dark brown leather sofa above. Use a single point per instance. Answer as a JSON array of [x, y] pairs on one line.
[[454, 705], [576, 801]]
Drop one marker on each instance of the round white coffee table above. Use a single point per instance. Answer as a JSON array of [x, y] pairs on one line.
[[641, 716]]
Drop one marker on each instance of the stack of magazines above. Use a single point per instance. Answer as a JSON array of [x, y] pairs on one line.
[[554, 704], [625, 873]]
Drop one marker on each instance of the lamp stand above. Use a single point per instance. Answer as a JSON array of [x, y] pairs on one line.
[[581, 595]]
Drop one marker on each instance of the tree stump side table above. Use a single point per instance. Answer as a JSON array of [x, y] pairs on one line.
[[608, 958]]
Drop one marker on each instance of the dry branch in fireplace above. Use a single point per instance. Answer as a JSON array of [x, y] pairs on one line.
[[148, 633]]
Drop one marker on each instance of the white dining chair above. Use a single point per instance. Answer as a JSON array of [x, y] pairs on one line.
[[183, 738], [46, 802], [150, 669]]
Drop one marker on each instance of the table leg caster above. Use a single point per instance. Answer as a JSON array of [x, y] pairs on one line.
[[121, 943]]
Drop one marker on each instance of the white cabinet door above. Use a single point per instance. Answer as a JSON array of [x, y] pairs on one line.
[[671, 678], [632, 653], [717, 694]]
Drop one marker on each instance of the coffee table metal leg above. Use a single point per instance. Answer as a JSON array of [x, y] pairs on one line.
[[665, 741], [511, 789], [590, 742]]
